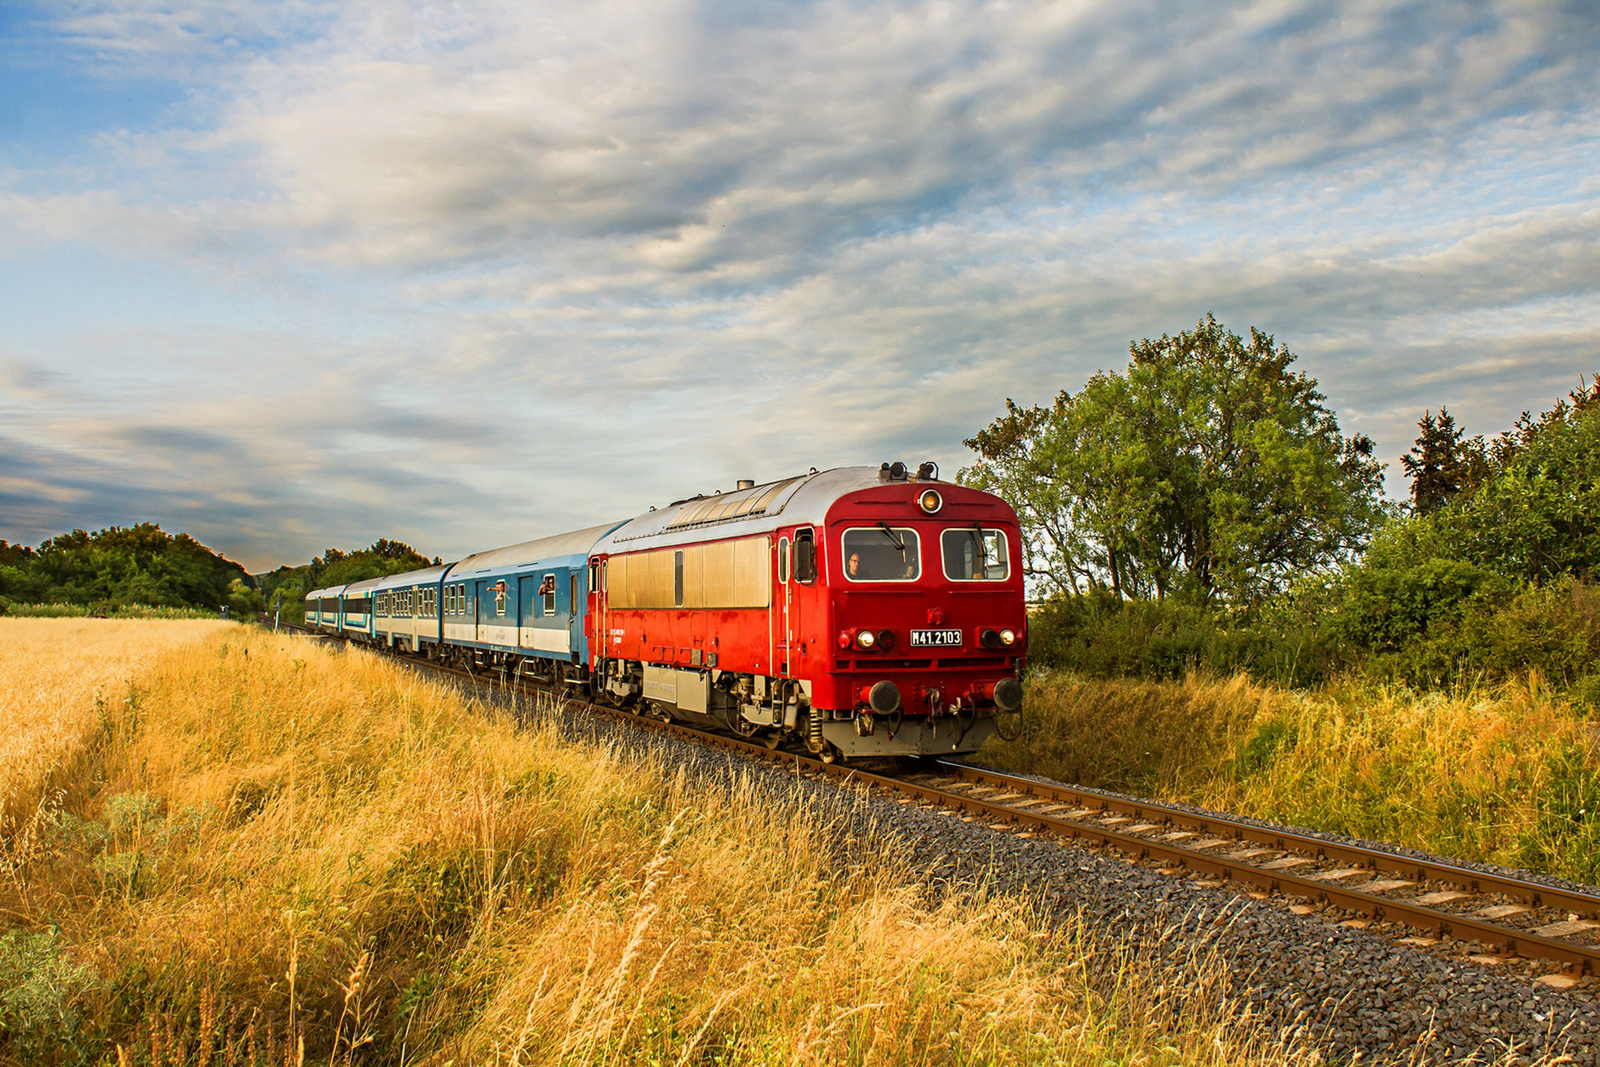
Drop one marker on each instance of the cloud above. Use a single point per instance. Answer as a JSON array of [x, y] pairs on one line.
[[553, 263]]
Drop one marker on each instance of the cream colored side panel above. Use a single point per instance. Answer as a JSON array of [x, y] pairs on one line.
[[543, 639], [499, 635], [696, 573], [752, 575], [719, 569]]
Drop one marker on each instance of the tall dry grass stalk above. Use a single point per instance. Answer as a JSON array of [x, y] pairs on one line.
[[1509, 774], [296, 854]]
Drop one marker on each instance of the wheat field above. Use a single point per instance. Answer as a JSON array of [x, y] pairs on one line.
[[59, 677]]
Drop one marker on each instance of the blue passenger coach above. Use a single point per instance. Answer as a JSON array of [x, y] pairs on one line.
[[525, 600], [407, 608], [323, 607], [356, 612]]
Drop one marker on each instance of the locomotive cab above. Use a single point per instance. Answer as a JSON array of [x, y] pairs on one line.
[[927, 619]]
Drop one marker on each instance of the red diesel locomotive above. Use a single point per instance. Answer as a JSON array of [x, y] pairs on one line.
[[866, 612]]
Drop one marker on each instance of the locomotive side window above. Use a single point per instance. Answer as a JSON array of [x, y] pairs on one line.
[[783, 560], [805, 556], [972, 554], [677, 579], [882, 554]]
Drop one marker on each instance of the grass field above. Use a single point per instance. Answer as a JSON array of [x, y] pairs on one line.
[[1509, 774], [265, 845]]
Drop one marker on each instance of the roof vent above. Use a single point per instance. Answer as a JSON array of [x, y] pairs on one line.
[[745, 483]]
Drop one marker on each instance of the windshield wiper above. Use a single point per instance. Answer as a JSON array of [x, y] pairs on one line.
[[894, 538], [983, 552]]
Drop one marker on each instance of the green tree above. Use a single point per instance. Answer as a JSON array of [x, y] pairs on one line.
[[1208, 469], [1443, 462], [1537, 516]]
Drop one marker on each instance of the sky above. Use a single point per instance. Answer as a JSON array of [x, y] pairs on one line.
[[290, 275]]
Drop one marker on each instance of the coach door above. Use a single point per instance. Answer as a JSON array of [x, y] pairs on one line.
[[574, 591], [527, 590]]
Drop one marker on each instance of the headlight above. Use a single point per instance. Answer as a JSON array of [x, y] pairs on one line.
[[930, 501], [866, 639], [1008, 637]]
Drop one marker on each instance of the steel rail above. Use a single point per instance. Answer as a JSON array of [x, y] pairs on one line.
[[1535, 893], [1585, 958]]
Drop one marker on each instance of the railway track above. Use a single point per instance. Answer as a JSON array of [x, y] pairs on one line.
[[1495, 917]]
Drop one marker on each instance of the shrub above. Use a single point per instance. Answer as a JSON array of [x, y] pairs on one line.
[[40, 991], [1102, 637]]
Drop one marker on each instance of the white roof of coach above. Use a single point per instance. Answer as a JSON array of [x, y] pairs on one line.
[[407, 579], [534, 553]]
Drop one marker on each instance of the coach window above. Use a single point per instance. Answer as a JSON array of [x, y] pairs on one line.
[[973, 554], [881, 554], [677, 579], [783, 560], [572, 593]]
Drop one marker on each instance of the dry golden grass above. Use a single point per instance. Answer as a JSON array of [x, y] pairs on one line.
[[281, 846], [52, 673], [1509, 774]]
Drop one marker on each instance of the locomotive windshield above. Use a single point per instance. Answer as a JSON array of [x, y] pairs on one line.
[[881, 553], [972, 554]]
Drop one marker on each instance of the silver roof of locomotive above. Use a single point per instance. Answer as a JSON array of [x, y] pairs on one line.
[[789, 502]]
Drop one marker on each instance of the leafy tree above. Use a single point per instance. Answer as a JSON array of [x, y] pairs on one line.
[[1209, 470], [1537, 516], [117, 566], [1443, 462]]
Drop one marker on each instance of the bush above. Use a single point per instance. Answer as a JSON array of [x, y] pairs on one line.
[[40, 992], [1100, 636]]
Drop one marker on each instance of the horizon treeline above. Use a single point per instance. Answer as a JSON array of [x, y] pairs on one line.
[[1201, 510], [123, 567], [134, 569]]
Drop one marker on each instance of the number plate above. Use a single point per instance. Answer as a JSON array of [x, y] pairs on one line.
[[935, 638]]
